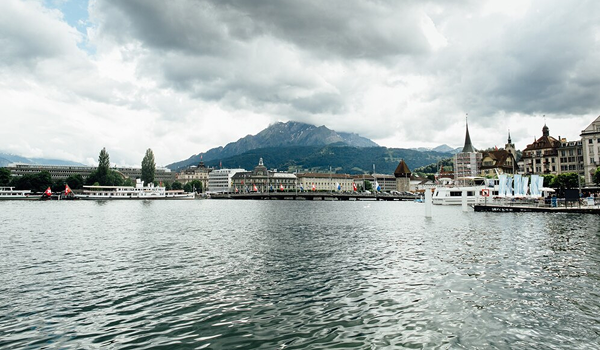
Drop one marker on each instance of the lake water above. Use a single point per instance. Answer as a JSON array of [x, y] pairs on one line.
[[295, 275]]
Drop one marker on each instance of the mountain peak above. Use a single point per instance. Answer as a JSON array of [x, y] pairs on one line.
[[280, 134]]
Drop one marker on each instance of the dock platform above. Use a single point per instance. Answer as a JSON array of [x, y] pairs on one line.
[[536, 209]]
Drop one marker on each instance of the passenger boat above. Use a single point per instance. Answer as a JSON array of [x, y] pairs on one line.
[[477, 190], [480, 190], [11, 193], [139, 191]]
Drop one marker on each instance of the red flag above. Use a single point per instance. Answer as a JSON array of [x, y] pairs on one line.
[[67, 189], [236, 189], [281, 187], [354, 186], [48, 192], [314, 188], [254, 188], [242, 182]]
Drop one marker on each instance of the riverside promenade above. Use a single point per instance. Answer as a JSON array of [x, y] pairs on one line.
[[314, 196]]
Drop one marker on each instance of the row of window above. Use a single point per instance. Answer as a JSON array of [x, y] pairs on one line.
[[571, 152], [571, 167], [571, 159]]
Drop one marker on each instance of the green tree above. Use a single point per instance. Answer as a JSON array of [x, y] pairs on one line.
[[188, 187], [58, 185], [368, 185], [75, 182], [5, 176], [148, 167], [103, 175], [103, 163], [196, 186], [566, 181], [596, 176], [167, 185], [549, 180], [128, 182], [177, 186], [35, 182]]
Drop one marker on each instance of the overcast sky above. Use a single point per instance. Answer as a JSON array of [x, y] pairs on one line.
[[184, 76]]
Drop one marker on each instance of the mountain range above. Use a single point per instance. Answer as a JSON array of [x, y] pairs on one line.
[[288, 134], [6, 159], [442, 149], [294, 146]]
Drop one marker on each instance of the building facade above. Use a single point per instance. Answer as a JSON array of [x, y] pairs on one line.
[[570, 157], [199, 172], [219, 180], [62, 172], [262, 180], [498, 162], [325, 182], [590, 143], [541, 157]]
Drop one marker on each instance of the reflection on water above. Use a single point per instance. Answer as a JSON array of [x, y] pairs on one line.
[[284, 274]]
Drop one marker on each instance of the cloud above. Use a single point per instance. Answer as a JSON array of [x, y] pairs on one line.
[[184, 76], [30, 33]]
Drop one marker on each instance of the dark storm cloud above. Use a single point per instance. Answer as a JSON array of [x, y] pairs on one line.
[[215, 49], [350, 29], [272, 57]]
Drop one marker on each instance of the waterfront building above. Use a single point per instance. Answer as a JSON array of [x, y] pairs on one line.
[[199, 172], [498, 162], [62, 172], [541, 157], [570, 157], [590, 143], [359, 180], [468, 161], [386, 182], [325, 182], [420, 184], [262, 180], [219, 180]]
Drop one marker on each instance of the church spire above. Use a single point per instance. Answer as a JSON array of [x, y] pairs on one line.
[[468, 145], [509, 140]]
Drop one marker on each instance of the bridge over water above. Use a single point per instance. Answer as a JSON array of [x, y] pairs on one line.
[[315, 196]]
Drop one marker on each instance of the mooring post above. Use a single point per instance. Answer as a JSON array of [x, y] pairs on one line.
[[428, 203]]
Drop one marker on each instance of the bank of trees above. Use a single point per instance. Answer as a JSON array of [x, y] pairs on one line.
[[102, 176]]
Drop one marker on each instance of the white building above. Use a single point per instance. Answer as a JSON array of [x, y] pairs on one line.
[[468, 161], [325, 182], [219, 180], [590, 142]]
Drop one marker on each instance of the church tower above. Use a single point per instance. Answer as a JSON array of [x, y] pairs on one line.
[[510, 147], [467, 162]]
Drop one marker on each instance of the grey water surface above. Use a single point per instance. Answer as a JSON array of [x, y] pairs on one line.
[[294, 275]]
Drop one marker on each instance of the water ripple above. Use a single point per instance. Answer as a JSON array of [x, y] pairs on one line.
[[295, 275]]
